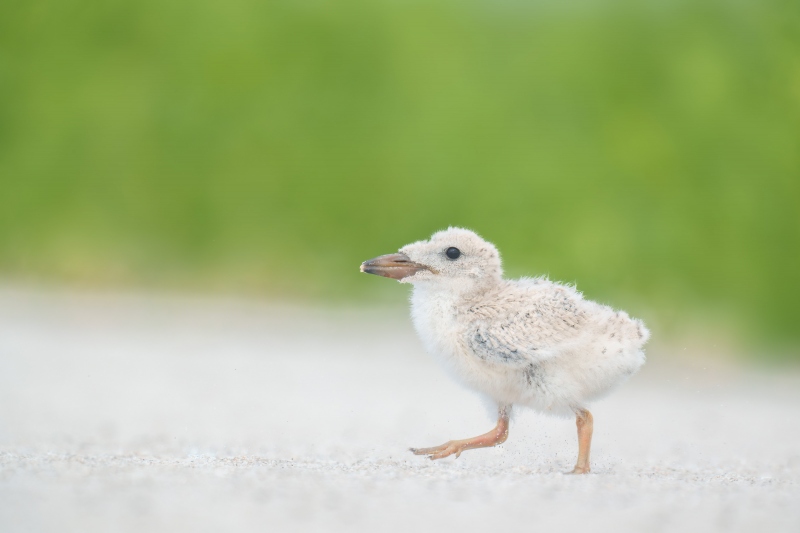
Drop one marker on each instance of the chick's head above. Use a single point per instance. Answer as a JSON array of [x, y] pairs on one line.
[[453, 256]]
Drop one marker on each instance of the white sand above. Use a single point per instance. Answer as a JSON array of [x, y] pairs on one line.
[[124, 413]]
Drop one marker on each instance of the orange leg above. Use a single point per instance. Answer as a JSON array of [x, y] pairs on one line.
[[496, 436], [585, 423]]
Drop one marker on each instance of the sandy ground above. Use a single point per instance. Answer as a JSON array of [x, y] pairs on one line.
[[128, 413]]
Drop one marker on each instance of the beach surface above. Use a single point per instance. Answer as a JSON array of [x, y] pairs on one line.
[[130, 413]]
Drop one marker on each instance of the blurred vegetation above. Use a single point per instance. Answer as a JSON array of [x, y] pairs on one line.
[[648, 150]]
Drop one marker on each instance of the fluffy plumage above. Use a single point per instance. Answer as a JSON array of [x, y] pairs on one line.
[[531, 342]]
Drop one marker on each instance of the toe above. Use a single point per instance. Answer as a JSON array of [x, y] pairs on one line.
[[422, 451], [430, 451], [446, 452]]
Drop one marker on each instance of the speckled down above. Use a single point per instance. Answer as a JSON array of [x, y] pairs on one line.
[[527, 342], [128, 413]]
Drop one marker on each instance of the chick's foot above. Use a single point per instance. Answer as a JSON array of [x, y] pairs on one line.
[[496, 436]]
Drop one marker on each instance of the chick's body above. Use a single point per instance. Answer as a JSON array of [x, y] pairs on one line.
[[530, 342]]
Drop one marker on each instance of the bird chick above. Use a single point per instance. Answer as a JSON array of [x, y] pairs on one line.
[[530, 342]]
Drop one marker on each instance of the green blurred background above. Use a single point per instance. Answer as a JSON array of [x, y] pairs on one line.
[[647, 150]]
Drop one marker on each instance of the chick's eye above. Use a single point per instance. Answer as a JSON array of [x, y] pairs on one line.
[[452, 252]]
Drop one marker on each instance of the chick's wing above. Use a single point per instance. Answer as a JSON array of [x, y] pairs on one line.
[[525, 324]]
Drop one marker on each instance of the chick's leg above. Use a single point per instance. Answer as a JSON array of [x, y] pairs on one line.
[[496, 436], [585, 423]]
